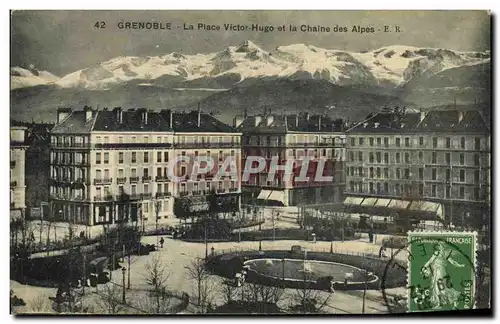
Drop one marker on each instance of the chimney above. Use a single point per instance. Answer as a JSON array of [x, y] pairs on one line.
[[460, 116], [199, 115], [319, 122], [307, 116], [422, 115], [297, 120], [62, 114], [245, 115], [88, 113], [286, 122], [119, 114], [171, 118]]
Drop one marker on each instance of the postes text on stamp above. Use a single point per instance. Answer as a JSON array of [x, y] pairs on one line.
[[441, 271]]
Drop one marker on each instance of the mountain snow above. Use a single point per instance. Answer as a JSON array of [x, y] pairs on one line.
[[390, 66], [22, 78]]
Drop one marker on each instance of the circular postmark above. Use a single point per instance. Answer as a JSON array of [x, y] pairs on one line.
[[429, 286]]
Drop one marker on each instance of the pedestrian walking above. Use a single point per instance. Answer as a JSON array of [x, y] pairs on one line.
[[161, 242]]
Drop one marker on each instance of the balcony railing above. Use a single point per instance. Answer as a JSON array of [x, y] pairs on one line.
[[146, 178], [161, 178], [221, 190], [134, 179], [13, 183], [147, 195], [233, 189], [207, 145], [103, 181], [121, 180], [163, 194], [135, 196], [103, 198], [183, 193], [70, 145], [12, 164]]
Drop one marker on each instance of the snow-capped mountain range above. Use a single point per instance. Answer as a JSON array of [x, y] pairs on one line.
[[390, 66]]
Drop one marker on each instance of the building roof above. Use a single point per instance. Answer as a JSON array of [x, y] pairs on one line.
[[290, 123], [74, 124], [188, 123], [450, 121], [132, 121]]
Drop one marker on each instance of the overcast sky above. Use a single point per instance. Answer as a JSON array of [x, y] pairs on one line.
[[64, 41]]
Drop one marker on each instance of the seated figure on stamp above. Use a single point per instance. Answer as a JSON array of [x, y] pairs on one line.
[[442, 293]]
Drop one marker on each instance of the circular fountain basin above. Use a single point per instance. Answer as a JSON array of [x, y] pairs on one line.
[[307, 270]]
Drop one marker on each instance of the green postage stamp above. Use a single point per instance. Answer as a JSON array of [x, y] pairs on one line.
[[441, 271]]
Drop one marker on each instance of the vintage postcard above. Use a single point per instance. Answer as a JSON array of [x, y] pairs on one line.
[[250, 162]]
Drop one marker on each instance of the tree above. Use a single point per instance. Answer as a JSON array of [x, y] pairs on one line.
[[40, 304], [228, 291], [111, 299], [196, 270], [261, 293], [156, 276]]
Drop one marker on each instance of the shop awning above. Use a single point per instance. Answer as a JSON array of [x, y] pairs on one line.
[[369, 201], [353, 201], [274, 195], [399, 204], [381, 202], [427, 206]]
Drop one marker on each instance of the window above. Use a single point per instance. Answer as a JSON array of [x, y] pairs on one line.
[[462, 175], [371, 141], [386, 187], [421, 141], [398, 142], [146, 188], [351, 156], [134, 157], [434, 174], [379, 141], [434, 157], [476, 176], [158, 157], [379, 157], [360, 156], [421, 173], [360, 171], [106, 140], [371, 187], [351, 186], [397, 189], [448, 158], [146, 157], [407, 142], [477, 143], [133, 172], [448, 142], [353, 141], [420, 157], [434, 142], [461, 192], [398, 173], [378, 173], [98, 139], [106, 174], [476, 159], [462, 159], [98, 174], [398, 158], [433, 189], [386, 157], [120, 173], [133, 190], [421, 189], [371, 172], [386, 141], [98, 158], [447, 192], [120, 157], [462, 142], [407, 157], [145, 172], [120, 139], [145, 207], [146, 139], [165, 157], [379, 187], [361, 141], [386, 173], [448, 175], [106, 158], [371, 157], [476, 194], [407, 173]]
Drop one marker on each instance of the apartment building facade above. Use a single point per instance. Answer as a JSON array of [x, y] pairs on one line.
[[17, 171], [319, 138], [110, 166], [438, 156]]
